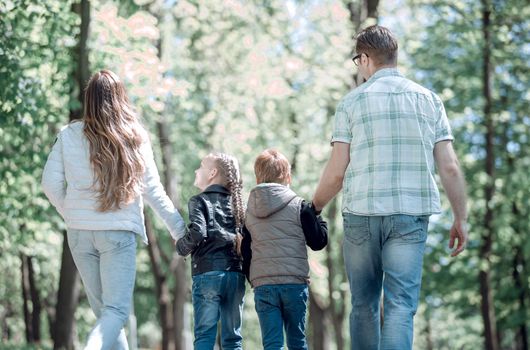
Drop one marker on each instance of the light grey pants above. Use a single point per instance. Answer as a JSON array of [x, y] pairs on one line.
[[106, 261]]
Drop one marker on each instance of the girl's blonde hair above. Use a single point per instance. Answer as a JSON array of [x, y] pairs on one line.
[[115, 136], [228, 168]]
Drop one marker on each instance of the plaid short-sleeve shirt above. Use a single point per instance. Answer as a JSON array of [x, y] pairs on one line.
[[392, 125]]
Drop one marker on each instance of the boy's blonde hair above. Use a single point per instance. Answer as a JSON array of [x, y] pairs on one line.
[[272, 166]]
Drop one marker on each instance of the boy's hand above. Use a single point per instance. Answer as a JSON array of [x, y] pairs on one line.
[[315, 209]]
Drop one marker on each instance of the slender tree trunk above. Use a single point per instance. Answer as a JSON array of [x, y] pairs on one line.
[[68, 293], [336, 306], [163, 293], [35, 302], [26, 297], [428, 331], [519, 269], [7, 313], [317, 317], [49, 307], [180, 310], [67, 299], [360, 12], [177, 268], [487, 307]]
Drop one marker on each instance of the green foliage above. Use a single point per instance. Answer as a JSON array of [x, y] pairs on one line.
[[447, 56], [240, 77], [34, 68]]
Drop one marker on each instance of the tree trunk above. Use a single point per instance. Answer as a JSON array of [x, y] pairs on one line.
[[359, 13], [163, 294], [177, 268], [487, 308], [26, 297], [519, 269], [67, 299], [80, 59], [428, 330], [68, 293], [337, 311], [4, 316], [35, 302], [181, 314], [317, 322]]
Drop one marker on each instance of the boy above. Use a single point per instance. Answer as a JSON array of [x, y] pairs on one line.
[[278, 226]]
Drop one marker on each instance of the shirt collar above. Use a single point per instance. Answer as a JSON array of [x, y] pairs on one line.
[[384, 72], [216, 188]]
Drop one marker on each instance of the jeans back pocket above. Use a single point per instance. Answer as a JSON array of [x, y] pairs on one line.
[[409, 227], [356, 228]]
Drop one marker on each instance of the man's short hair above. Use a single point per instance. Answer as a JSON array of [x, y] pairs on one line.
[[272, 167], [379, 43]]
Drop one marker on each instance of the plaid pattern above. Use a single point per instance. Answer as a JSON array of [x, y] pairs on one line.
[[392, 125]]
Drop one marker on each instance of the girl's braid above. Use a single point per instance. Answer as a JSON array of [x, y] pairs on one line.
[[230, 170]]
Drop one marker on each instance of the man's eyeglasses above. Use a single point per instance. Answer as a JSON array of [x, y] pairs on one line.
[[356, 58]]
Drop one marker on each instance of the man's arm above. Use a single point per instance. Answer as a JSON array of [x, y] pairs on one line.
[[331, 180], [455, 187]]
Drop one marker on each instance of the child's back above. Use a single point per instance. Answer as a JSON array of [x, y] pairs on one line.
[[211, 238], [279, 225], [279, 253]]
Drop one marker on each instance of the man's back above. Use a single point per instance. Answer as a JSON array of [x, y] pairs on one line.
[[392, 125]]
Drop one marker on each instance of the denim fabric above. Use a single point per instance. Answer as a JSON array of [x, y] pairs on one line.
[[279, 306], [218, 295], [383, 253], [106, 261]]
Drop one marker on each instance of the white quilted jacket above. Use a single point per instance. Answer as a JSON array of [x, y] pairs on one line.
[[67, 181]]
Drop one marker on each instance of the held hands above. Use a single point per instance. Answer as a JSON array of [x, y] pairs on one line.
[[458, 233], [317, 212]]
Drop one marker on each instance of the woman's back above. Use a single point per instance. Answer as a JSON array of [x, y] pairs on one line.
[[101, 168]]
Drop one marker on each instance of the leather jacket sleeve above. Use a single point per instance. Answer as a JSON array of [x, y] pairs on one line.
[[196, 232]]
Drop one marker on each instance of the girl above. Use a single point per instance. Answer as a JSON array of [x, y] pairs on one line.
[[213, 239], [97, 174]]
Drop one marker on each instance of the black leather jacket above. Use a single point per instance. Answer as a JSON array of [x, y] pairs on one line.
[[210, 237]]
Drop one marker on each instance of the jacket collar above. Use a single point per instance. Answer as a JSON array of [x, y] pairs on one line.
[[215, 188]]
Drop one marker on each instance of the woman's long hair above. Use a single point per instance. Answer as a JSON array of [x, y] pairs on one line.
[[115, 137]]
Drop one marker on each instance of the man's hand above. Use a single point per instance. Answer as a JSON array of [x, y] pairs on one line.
[[458, 233]]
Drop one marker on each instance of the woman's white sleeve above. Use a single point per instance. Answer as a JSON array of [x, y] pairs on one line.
[[53, 180], [155, 195]]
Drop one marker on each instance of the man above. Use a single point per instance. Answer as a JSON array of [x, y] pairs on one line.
[[389, 133]]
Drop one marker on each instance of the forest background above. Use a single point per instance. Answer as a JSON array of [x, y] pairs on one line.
[[241, 76]]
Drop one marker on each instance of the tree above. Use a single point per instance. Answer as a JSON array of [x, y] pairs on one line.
[[33, 101], [486, 105]]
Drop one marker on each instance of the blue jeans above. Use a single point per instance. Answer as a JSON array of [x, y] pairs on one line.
[[383, 253], [278, 305], [106, 261], [218, 294]]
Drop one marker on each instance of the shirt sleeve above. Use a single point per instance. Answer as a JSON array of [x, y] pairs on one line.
[[155, 195], [341, 129], [53, 179], [314, 227], [442, 127], [196, 233]]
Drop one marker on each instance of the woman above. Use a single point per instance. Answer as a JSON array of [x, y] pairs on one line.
[[97, 174]]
